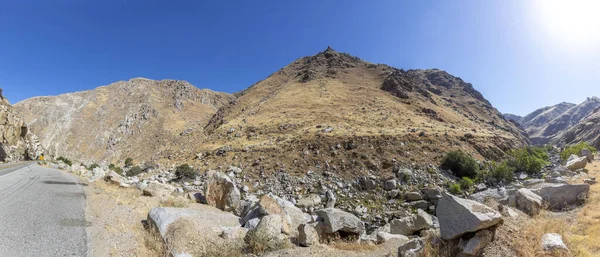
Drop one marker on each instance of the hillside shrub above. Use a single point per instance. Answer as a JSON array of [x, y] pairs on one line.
[[134, 171], [116, 169], [64, 160], [576, 150], [455, 189], [502, 171], [128, 162], [465, 184], [529, 159], [184, 171], [461, 164], [93, 166]]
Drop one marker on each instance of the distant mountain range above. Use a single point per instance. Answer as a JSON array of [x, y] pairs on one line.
[[560, 124]]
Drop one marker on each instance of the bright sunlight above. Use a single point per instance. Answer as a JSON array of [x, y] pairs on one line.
[[574, 23]]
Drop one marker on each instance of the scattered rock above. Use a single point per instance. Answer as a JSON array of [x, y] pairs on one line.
[[221, 192], [528, 201], [383, 237], [268, 234], [481, 239], [330, 199], [412, 248], [337, 220], [367, 183], [577, 163], [458, 216], [413, 196], [308, 235], [389, 185], [156, 189], [309, 201], [588, 154], [498, 194], [409, 225], [552, 242]]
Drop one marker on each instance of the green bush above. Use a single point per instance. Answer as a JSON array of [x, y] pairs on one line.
[[117, 169], [184, 171], [134, 171], [64, 160], [128, 162], [529, 159], [502, 171], [93, 166], [465, 184], [575, 149], [461, 164], [455, 189]]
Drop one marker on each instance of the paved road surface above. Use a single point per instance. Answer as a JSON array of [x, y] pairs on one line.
[[42, 212]]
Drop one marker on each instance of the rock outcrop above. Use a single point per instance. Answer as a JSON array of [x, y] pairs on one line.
[[17, 141], [458, 216]]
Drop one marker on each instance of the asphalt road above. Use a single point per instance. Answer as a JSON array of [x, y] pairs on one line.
[[42, 212]]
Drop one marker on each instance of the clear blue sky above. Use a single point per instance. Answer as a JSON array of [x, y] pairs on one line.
[[506, 49]]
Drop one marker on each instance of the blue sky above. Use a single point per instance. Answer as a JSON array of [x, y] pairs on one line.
[[506, 49]]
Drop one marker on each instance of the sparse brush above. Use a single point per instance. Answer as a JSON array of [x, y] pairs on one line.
[[576, 150], [184, 171], [461, 164]]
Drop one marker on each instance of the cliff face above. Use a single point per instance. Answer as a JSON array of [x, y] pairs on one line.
[[17, 142]]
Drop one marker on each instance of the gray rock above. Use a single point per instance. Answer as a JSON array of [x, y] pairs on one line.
[[561, 171], [156, 189], [413, 196], [458, 216], [433, 194], [311, 200], [498, 194], [335, 220], [412, 248], [552, 242], [477, 243], [528, 201], [97, 173], [142, 185], [367, 183], [422, 204], [410, 224], [330, 199], [389, 185], [561, 196], [234, 232], [383, 237], [577, 163], [268, 233], [532, 182], [588, 154], [556, 180], [308, 235]]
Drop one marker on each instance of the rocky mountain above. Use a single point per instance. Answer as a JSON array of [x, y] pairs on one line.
[[546, 124], [18, 143], [333, 111], [586, 130], [144, 119], [514, 117]]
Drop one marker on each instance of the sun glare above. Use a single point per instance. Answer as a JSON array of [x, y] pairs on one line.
[[573, 22]]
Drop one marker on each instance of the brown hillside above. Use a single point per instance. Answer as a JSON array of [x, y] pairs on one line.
[[334, 111]]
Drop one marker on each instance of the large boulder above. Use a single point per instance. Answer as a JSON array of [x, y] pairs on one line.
[[335, 220], [561, 196], [413, 223], [458, 216], [577, 163], [528, 201], [158, 189], [561, 171], [221, 192], [195, 231], [267, 235], [587, 153]]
